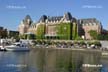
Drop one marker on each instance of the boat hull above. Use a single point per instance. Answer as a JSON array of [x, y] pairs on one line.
[[17, 49]]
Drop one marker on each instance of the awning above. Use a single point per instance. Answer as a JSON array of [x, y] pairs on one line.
[[49, 35]]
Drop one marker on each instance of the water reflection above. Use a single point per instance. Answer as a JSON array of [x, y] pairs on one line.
[[60, 60], [49, 60], [104, 61]]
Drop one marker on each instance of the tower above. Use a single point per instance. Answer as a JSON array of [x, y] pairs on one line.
[[25, 24]]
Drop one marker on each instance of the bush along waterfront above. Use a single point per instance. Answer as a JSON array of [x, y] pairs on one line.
[[68, 44]]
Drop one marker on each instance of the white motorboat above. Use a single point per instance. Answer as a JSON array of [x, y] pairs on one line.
[[18, 47]]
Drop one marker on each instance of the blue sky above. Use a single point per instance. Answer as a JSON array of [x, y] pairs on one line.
[[13, 11]]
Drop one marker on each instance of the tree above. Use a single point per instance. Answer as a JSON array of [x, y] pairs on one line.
[[93, 34], [102, 37]]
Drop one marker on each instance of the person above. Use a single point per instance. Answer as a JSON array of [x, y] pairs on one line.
[[2, 41], [20, 43]]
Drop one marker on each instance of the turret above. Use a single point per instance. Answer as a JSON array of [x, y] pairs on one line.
[[27, 20], [68, 16], [43, 18]]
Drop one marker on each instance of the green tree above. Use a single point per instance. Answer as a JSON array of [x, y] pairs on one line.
[[102, 37], [3, 33], [93, 34]]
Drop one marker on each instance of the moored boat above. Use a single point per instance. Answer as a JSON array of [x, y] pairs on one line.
[[18, 47]]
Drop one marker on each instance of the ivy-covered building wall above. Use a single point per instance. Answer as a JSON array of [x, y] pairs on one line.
[[64, 30], [40, 32]]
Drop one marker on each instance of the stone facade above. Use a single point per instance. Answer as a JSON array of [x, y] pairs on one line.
[[49, 26], [90, 24], [52, 22], [24, 25]]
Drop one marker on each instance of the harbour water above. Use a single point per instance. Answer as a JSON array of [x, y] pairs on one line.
[[52, 60]]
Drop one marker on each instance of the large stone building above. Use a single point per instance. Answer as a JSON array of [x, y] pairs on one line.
[[60, 27]]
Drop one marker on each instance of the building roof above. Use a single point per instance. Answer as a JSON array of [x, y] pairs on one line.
[[88, 21], [27, 17], [55, 18], [1, 28], [33, 25], [43, 18], [68, 16]]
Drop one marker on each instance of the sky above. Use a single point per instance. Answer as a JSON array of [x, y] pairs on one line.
[[13, 11]]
